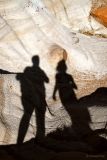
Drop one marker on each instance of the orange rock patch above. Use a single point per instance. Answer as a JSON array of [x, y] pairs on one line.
[[101, 15]]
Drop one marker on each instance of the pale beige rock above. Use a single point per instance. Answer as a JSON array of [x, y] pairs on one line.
[[29, 28], [40, 27]]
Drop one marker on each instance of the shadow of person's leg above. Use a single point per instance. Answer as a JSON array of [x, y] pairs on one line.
[[24, 124], [40, 122]]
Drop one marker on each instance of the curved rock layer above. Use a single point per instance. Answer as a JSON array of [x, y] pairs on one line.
[[53, 30], [29, 27]]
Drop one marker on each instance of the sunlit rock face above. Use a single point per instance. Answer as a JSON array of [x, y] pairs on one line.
[[45, 28], [76, 15], [30, 27]]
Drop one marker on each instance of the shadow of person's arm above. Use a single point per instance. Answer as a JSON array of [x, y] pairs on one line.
[[46, 79], [74, 84], [54, 92], [4, 72]]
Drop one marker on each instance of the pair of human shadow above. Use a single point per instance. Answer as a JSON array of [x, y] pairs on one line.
[[33, 98]]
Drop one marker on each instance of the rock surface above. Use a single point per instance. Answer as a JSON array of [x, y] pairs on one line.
[[53, 30], [29, 28]]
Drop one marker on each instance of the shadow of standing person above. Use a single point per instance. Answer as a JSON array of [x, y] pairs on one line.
[[77, 109], [33, 99], [65, 85]]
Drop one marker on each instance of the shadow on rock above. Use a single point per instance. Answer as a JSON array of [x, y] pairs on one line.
[[97, 98]]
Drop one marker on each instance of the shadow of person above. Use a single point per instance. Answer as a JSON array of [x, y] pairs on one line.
[[77, 110], [65, 85], [33, 99]]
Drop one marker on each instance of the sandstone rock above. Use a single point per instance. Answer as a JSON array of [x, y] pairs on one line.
[[29, 28], [101, 15], [53, 30]]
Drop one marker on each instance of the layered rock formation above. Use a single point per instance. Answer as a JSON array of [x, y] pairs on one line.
[[27, 28], [53, 30]]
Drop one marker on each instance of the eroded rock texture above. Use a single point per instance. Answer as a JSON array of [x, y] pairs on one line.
[[29, 28], [53, 30]]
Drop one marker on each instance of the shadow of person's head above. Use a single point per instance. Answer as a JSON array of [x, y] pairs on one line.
[[36, 60], [61, 67]]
